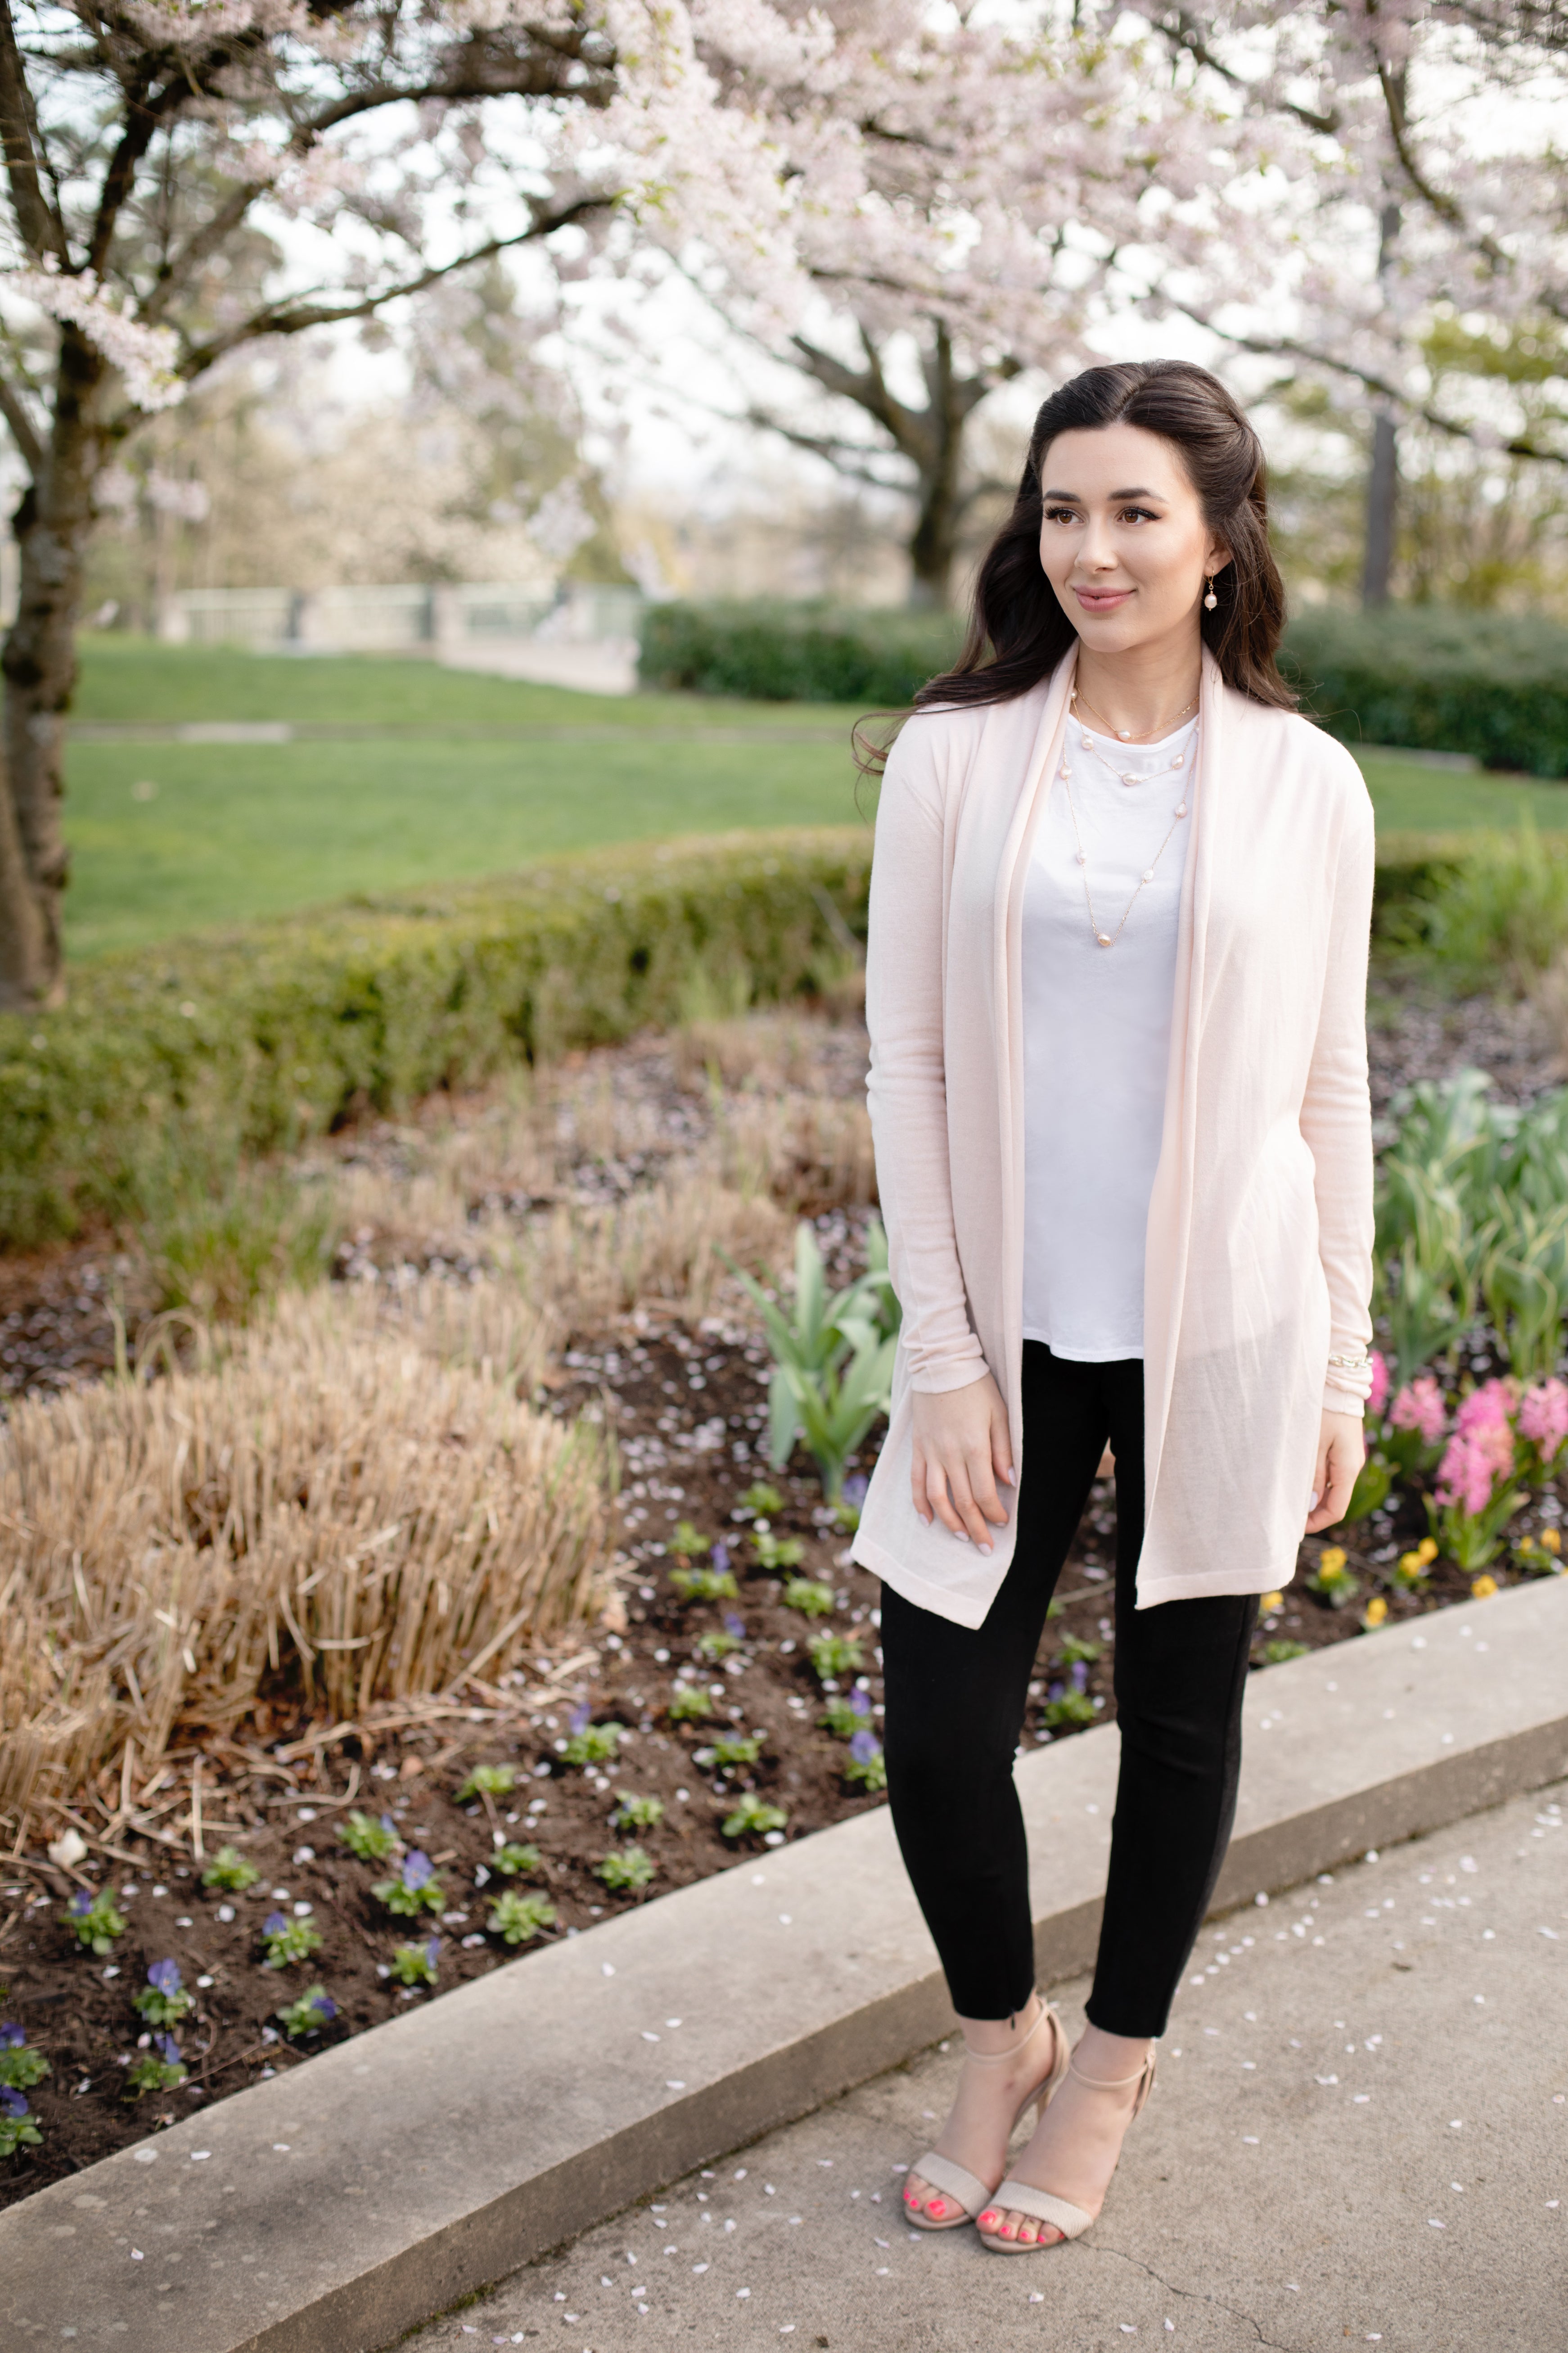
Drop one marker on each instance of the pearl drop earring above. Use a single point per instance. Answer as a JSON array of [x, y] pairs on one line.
[[1211, 600]]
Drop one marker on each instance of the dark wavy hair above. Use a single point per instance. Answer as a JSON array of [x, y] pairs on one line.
[[1018, 632]]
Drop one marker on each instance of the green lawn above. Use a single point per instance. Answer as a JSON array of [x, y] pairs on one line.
[[128, 682], [463, 776], [1411, 797]]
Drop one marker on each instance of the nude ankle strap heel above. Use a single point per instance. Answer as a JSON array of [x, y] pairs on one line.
[[969, 2193], [1040, 2205]]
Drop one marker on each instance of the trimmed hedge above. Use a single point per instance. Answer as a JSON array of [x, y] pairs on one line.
[[795, 653], [1437, 680], [244, 1042], [1409, 865], [256, 1037], [1424, 676]]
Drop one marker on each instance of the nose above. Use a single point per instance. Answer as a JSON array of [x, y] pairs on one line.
[[1095, 551]]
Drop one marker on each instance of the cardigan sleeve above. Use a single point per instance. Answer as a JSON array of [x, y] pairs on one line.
[[1336, 1113], [907, 1089]]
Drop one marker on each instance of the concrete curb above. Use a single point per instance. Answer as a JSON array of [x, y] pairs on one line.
[[332, 2208]]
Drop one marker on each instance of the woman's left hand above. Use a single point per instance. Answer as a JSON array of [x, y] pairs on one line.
[[1342, 1450]]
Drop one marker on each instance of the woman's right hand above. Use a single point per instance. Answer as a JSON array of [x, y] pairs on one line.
[[961, 1448]]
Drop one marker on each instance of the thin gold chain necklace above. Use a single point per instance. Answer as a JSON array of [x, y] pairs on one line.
[[1124, 734], [1108, 939]]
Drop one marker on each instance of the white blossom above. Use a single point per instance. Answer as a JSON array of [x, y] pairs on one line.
[[145, 357], [561, 522]]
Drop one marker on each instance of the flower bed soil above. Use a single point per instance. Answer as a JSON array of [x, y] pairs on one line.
[[281, 1804], [686, 1404]]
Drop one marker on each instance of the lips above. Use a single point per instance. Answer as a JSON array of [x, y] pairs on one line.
[[1102, 601]]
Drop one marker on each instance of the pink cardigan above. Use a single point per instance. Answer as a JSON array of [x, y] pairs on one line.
[[1258, 1265]]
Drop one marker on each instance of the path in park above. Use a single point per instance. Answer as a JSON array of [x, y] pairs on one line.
[[1360, 2136]]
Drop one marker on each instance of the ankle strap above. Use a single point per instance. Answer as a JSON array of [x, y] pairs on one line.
[[998, 2058], [1110, 2083]]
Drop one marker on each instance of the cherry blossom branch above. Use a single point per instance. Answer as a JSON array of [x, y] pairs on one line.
[[38, 220], [296, 316], [30, 448], [1183, 32], [1454, 427]]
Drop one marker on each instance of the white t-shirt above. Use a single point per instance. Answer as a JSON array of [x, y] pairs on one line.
[[1096, 1030]]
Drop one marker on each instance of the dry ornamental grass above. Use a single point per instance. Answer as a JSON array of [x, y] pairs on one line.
[[329, 1503], [349, 1503]]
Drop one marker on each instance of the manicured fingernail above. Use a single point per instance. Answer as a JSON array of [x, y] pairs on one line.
[[1011, 1476], [987, 1550], [962, 1534]]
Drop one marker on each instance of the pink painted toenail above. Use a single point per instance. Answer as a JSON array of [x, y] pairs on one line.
[[937, 2209], [988, 2221]]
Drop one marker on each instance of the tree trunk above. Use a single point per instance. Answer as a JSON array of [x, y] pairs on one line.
[[939, 509], [1383, 475], [1382, 511], [52, 526]]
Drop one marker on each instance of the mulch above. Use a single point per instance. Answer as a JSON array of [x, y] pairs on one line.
[[686, 1404]]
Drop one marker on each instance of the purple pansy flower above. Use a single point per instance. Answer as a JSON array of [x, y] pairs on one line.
[[433, 1951], [165, 1976], [80, 1902], [168, 2050], [389, 1826], [1055, 1691], [719, 1554], [12, 2104], [578, 1720], [274, 1925], [864, 1745], [325, 2008], [11, 2037], [735, 1626], [417, 1870], [854, 1489], [859, 1703], [1080, 1675]]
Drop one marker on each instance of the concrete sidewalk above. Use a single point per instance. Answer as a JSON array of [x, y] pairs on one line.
[[1360, 2136]]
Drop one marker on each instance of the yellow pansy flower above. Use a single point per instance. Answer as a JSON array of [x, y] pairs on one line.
[[1375, 1612], [1268, 1601], [1427, 1550], [1483, 1588], [1330, 1562]]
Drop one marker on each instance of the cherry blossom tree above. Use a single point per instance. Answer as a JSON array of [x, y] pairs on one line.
[[966, 194], [1434, 215], [185, 178]]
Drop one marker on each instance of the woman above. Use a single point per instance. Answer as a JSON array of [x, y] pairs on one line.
[[1119, 910]]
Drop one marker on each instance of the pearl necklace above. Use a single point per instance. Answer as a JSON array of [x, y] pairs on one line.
[[1108, 939], [1124, 734]]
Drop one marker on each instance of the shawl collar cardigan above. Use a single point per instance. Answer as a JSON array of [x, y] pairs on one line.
[[1257, 1263]]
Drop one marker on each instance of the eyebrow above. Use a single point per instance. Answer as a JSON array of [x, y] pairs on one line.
[[1074, 498]]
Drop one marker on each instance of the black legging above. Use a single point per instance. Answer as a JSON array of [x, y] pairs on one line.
[[955, 1701]]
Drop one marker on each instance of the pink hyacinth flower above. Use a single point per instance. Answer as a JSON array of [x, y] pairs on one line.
[[1543, 1418], [1465, 1475], [1419, 1406], [1378, 1393], [1487, 1407]]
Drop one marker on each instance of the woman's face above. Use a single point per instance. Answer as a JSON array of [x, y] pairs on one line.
[[1122, 537]]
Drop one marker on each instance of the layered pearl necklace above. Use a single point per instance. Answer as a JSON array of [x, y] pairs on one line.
[[1108, 939]]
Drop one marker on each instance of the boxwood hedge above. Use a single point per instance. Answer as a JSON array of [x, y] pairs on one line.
[[1437, 680], [1426, 677], [256, 1037], [241, 1043], [795, 653]]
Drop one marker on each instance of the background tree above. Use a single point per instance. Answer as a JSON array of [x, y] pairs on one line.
[[1436, 210], [187, 178], [965, 197]]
